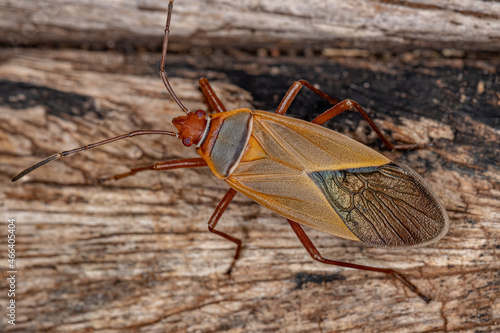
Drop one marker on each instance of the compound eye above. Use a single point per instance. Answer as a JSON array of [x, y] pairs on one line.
[[187, 142], [200, 114]]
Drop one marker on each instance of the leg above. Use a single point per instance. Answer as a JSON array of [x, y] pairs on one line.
[[214, 103], [350, 104], [221, 207], [294, 90], [337, 109], [160, 166], [210, 109], [219, 210], [314, 253]]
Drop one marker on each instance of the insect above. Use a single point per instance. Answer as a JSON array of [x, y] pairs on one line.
[[307, 173]]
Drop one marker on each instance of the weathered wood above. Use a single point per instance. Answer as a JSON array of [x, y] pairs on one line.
[[289, 25], [135, 255]]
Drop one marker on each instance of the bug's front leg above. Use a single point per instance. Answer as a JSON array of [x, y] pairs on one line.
[[210, 97], [219, 210], [316, 255], [160, 166]]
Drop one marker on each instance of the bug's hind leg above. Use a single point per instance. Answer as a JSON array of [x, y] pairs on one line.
[[221, 208], [316, 255], [160, 166]]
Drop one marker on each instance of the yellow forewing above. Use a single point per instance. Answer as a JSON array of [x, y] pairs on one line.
[[278, 179]]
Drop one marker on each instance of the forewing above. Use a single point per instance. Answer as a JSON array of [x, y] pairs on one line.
[[310, 147], [387, 206], [289, 192], [281, 153], [332, 183]]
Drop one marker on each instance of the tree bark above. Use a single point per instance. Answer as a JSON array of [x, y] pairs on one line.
[[289, 25], [136, 255]]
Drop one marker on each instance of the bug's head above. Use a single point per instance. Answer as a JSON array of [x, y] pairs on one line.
[[190, 127]]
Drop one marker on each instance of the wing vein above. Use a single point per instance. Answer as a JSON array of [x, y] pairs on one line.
[[411, 218], [394, 205], [384, 218], [368, 219]]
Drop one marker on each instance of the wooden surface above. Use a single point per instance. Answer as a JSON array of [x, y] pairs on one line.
[[287, 25], [135, 255]]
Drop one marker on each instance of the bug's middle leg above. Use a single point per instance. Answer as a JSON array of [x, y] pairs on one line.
[[349, 104], [337, 109], [316, 255], [221, 208], [294, 90]]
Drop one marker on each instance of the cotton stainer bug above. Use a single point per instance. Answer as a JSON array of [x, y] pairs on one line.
[[308, 174]]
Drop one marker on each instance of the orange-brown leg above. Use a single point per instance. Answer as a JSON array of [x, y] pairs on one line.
[[316, 255], [349, 104], [294, 90], [214, 103], [160, 166], [221, 208], [335, 110]]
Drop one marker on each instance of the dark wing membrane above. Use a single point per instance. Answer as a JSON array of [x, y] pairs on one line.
[[384, 206]]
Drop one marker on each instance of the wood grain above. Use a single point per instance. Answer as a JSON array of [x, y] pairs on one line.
[[135, 255], [289, 25]]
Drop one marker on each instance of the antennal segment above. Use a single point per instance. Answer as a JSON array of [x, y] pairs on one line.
[[163, 74], [88, 147]]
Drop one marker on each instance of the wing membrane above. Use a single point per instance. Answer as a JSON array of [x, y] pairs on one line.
[[384, 206]]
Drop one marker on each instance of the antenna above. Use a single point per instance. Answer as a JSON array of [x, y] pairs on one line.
[[163, 74], [88, 147]]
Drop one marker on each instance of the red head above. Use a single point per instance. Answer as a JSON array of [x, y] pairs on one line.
[[190, 127]]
